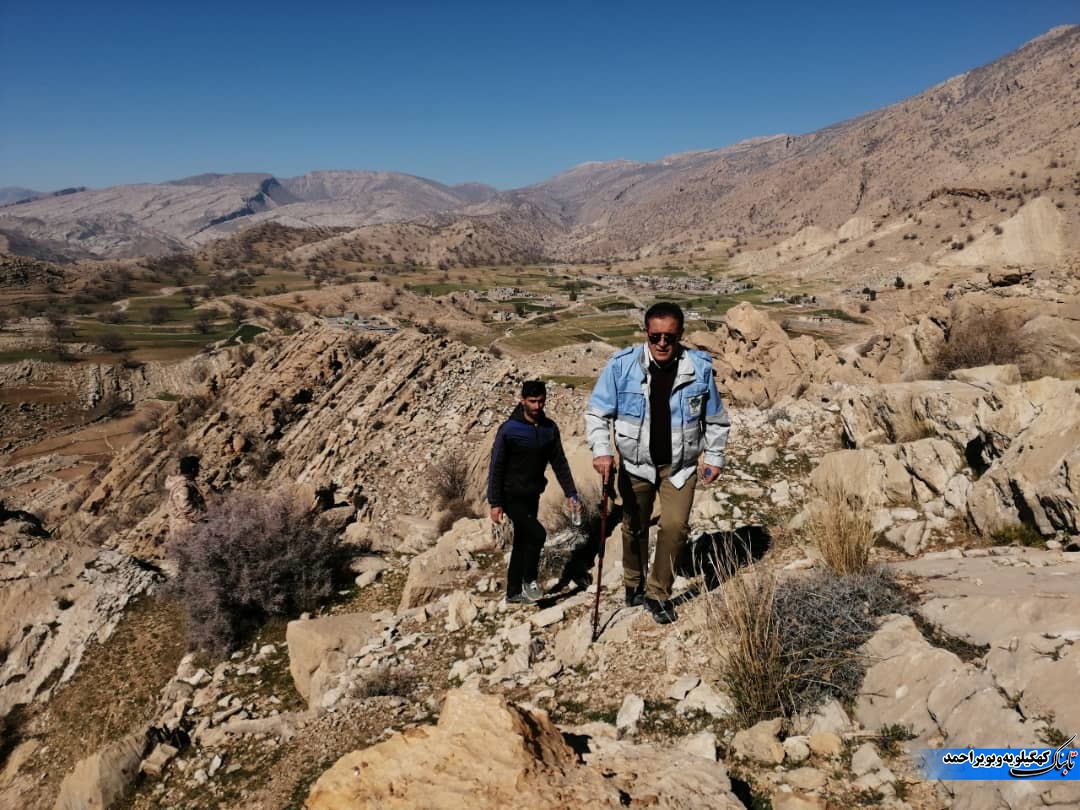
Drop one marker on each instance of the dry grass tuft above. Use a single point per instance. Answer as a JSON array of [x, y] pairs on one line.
[[788, 646], [979, 341], [741, 627], [840, 527], [908, 426]]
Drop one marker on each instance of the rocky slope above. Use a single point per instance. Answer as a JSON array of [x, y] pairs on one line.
[[358, 420]]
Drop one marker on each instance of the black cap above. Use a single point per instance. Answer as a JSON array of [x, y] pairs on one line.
[[533, 388]]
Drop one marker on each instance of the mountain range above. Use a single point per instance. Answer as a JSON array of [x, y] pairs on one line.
[[987, 129]]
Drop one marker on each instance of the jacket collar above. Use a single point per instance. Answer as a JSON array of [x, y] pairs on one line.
[[518, 415], [686, 365]]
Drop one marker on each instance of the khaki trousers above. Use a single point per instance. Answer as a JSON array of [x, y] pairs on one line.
[[638, 496]]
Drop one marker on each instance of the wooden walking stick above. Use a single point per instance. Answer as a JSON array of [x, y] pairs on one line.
[[600, 559]]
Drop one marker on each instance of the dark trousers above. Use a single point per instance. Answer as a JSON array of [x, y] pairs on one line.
[[529, 537]]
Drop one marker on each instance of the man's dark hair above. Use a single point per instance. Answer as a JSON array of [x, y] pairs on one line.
[[533, 388], [664, 309], [189, 465]]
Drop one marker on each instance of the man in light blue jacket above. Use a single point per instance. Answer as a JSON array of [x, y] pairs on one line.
[[661, 400]]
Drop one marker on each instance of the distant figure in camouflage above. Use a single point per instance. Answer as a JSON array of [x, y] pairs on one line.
[[186, 503]]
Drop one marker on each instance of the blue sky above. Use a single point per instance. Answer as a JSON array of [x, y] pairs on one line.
[[504, 93]]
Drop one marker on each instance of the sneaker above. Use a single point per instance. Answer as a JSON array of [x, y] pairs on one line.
[[634, 596], [662, 612], [517, 599], [532, 592]]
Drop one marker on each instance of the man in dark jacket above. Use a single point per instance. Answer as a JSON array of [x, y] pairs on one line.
[[526, 443]]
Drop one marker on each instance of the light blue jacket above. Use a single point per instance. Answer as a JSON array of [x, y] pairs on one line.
[[621, 400]]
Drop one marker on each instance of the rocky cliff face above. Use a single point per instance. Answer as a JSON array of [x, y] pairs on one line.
[[356, 415]]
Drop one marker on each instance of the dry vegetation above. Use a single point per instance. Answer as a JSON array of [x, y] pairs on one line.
[[254, 556], [789, 645], [839, 527], [981, 341]]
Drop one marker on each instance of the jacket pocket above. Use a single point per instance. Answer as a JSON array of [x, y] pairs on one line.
[[628, 439], [692, 402]]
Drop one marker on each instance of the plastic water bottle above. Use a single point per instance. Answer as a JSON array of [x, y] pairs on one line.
[[575, 513]]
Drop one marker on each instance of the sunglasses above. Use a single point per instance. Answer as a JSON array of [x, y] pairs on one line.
[[671, 338]]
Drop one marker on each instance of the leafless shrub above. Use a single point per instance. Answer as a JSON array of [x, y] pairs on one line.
[[254, 556], [387, 682], [262, 457], [359, 347], [112, 342], [109, 406], [449, 480], [112, 316], [285, 320], [158, 313], [978, 341], [840, 528], [789, 646]]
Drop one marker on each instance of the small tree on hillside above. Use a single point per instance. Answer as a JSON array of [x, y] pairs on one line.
[[238, 310], [113, 342], [254, 556], [159, 313]]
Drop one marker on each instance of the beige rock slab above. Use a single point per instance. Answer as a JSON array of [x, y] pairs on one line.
[[667, 778], [993, 598], [796, 801], [311, 642], [806, 779], [103, 778], [484, 753], [437, 571], [1041, 674], [759, 743]]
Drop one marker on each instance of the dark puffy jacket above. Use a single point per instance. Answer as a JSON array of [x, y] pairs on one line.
[[520, 456]]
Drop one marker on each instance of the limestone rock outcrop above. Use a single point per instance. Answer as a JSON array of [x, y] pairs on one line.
[[1019, 685], [488, 753], [440, 569], [756, 363], [360, 417], [891, 474], [1022, 443], [101, 779], [55, 597], [319, 648], [484, 752]]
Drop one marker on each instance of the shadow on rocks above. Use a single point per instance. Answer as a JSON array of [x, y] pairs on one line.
[[716, 556]]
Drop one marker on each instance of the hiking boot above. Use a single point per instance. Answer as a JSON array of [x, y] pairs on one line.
[[662, 612], [532, 592], [634, 596], [517, 599]]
